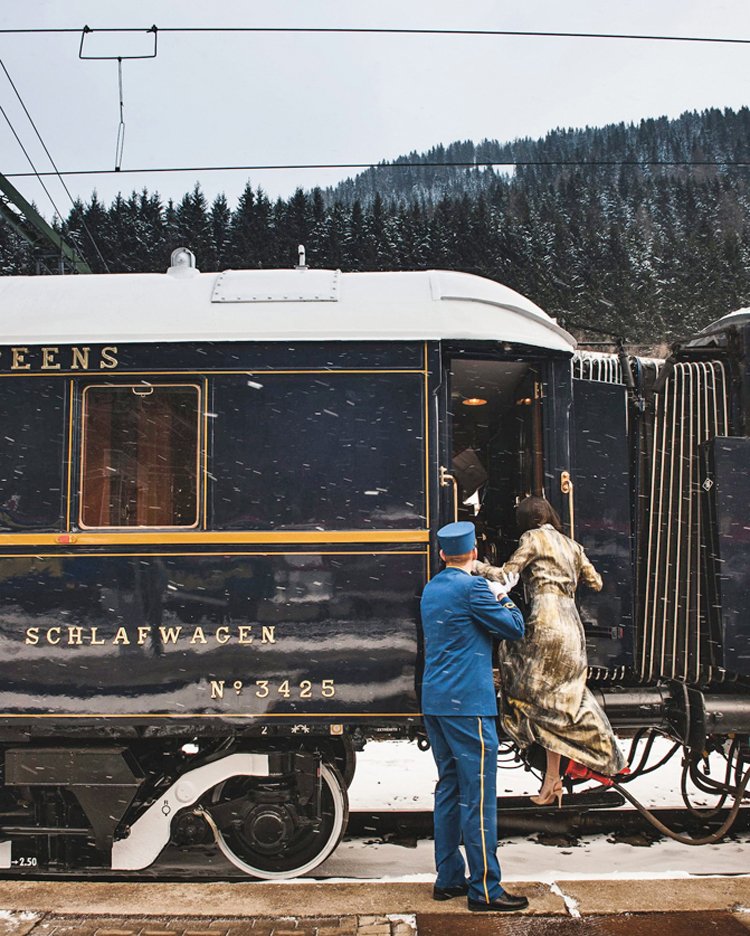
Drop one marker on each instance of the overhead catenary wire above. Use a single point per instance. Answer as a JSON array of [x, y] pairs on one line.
[[394, 31], [40, 175], [31, 162], [364, 166], [379, 166]]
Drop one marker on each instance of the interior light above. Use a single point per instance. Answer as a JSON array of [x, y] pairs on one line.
[[474, 401]]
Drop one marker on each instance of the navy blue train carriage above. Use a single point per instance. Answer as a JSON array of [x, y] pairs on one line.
[[218, 499]]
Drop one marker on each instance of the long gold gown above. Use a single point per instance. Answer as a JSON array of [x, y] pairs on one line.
[[543, 676]]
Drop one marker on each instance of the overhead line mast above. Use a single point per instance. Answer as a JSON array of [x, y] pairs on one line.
[[26, 221]]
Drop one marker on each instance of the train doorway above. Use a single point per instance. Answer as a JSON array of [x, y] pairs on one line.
[[495, 444]]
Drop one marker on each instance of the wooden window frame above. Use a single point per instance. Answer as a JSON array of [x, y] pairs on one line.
[[198, 450]]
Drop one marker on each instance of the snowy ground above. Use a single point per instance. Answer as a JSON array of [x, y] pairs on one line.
[[396, 775]]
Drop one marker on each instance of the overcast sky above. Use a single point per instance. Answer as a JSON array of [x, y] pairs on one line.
[[240, 99]]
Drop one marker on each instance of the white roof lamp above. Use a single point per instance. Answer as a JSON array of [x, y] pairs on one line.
[[182, 263]]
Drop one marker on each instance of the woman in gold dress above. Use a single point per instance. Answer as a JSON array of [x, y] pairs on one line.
[[543, 676]]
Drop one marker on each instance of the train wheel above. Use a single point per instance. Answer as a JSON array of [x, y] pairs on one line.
[[271, 838]]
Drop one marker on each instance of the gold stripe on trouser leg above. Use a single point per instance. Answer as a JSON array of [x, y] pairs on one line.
[[481, 811]]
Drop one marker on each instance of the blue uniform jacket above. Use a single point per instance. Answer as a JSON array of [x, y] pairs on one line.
[[460, 616]]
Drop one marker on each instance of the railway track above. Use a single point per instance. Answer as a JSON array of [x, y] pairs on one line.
[[580, 814]]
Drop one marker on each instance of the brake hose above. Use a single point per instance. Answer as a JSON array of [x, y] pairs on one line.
[[687, 839]]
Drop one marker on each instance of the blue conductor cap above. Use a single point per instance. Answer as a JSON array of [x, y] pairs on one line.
[[455, 539]]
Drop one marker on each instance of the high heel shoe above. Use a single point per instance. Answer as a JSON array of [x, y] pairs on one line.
[[554, 793]]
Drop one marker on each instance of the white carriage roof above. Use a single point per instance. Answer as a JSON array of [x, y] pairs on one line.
[[270, 305], [713, 334], [739, 317]]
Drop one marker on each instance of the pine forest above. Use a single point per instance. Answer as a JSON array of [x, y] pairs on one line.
[[583, 222]]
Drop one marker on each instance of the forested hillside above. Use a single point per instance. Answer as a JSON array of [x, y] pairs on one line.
[[648, 252]]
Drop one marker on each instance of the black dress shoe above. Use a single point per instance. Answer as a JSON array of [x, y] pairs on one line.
[[448, 893], [504, 903]]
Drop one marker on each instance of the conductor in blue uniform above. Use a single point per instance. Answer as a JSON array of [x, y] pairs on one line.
[[461, 616]]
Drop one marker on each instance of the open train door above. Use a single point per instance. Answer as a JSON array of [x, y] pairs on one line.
[[493, 443], [602, 517]]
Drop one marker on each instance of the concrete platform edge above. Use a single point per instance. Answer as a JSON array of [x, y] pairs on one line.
[[265, 899]]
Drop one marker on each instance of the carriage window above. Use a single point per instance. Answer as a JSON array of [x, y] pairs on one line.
[[32, 416], [140, 456], [338, 452]]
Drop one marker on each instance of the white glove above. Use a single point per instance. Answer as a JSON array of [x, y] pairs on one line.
[[501, 589]]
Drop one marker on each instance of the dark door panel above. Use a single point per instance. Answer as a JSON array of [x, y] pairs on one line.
[[603, 518], [726, 488]]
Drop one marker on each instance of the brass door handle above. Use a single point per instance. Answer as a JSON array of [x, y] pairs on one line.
[[447, 478], [566, 486]]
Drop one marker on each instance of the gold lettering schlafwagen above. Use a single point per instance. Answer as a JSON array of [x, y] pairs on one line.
[[73, 636]]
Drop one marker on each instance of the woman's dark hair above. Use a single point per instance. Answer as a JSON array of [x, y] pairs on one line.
[[534, 511]]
